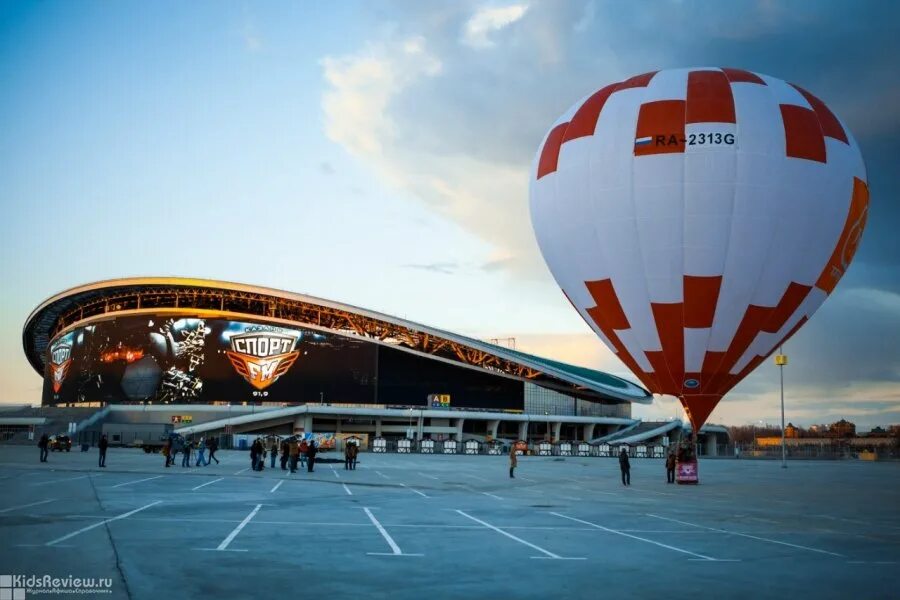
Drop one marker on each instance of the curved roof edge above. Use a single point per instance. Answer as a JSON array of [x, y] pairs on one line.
[[37, 330]]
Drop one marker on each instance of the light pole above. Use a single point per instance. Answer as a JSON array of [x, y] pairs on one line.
[[781, 360]]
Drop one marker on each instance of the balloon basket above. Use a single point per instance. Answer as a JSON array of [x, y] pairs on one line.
[[686, 473]]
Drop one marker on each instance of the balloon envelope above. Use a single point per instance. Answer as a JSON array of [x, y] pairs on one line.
[[696, 218]]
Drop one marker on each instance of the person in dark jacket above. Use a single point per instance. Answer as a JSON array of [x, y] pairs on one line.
[[670, 468], [513, 461], [347, 459], [103, 445], [254, 454], [213, 445], [311, 456], [186, 453], [44, 445], [285, 450], [625, 466], [354, 452]]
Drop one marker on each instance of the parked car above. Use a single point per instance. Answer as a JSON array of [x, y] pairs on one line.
[[60, 442]]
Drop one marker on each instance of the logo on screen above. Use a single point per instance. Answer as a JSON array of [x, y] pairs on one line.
[[261, 357], [60, 359]]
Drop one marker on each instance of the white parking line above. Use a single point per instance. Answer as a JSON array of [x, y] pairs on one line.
[[382, 474], [103, 522], [11, 508], [635, 537], [546, 553], [395, 549], [346, 489], [492, 495], [413, 490], [428, 476], [237, 530], [242, 470], [335, 472], [747, 535], [118, 485], [476, 477], [62, 480], [527, 479], [193, 489], [277, 485]]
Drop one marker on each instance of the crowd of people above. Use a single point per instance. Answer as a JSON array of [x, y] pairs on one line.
[[190, 450]]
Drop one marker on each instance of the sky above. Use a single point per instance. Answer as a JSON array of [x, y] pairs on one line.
[[377, 153]]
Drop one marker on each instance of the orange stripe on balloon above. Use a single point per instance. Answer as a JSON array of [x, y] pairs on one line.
[[849, 240], [642, 80], [802, 133], [829, 123], [663, 122], [584, 122], [709, 98], [701, 294], [550, 152], [741, 76]]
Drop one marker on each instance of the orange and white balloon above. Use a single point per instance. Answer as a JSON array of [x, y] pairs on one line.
[[696, 218]]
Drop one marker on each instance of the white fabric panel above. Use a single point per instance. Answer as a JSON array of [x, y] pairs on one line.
[[670, 84], [659, 209], [784, 93], [695, 342], [635, 348]]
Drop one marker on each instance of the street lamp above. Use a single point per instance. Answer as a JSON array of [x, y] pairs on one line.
[[781, 360]]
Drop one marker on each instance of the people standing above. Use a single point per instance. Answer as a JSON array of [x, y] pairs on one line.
[[44, 445], [201, 451], [186, 451], [285, 451], [513, 461], [294, 449], [347, 450], [213, 446], [670, 467], [354, 452], [166, 450], [103, 445], [625, 466], [311, 456], [273, 451], [304, 448], [254, 454]]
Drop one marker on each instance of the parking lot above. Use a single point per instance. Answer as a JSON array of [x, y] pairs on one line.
[[417, 526]]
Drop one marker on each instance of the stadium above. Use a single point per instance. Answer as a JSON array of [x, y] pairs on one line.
[[240, 358]]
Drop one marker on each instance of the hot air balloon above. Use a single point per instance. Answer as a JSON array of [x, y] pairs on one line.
[[696, 219]]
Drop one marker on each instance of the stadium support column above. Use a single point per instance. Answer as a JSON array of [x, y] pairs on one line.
[[303, 423], [493, 426], [523, 430], [588, 431], [459, 430], [420, 427], [557, 427], [712, 448], [377, 426]]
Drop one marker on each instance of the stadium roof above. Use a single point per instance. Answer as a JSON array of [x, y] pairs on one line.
[[235, 301]]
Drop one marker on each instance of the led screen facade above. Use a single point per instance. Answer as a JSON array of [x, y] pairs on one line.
[[186, 359]]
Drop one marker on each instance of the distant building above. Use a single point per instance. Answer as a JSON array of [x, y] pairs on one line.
[[842, 429], [791, 432], [877, 432], [894, 430]]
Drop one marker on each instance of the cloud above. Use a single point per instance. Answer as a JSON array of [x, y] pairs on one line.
[[457, 131], [326, 168], [488, 20], [444, 268]]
